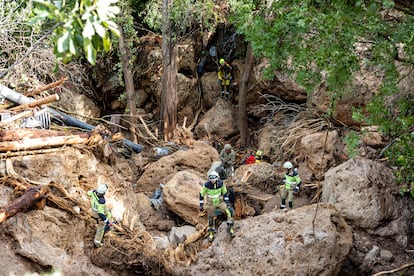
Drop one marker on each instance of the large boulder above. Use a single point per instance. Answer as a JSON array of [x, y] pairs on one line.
[[362, 190], [320, 151], [181, 194], [198, 159], [279, 243], [50, 238], [221, 120], [281, 86]]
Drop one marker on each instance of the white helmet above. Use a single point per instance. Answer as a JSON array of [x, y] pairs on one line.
[[287, 165], [102, 189], [213, 175]]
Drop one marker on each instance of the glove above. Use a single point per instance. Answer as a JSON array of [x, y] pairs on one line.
[[296, 189], [201, 208]]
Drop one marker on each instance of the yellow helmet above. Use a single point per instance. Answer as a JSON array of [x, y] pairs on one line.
[[222, 61], [259, 153]]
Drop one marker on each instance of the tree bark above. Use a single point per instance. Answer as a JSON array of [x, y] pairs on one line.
[[46, 87], [32, 198], [42, 101], [129, 85], [28, 133], [38, 143], [244, 127], [169, 76]]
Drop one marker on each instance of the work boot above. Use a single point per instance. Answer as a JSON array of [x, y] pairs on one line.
[[230, 229], [211, 234], [222, 95], [226, 97], [283, 205], [98, 244], [290, 204]]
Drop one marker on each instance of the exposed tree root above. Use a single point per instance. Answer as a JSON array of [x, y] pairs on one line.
[[394, 270]]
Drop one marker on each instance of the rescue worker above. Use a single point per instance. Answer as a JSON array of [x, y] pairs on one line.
[[258, 156], [100, 212], [292, 184], [251, 159], [214, 196], [224, 74], [227, 158]]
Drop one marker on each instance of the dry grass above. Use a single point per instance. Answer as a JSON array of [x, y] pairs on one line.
[[292, 121]]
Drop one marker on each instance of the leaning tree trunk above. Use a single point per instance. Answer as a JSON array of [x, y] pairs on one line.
[[129, 85], [244, 127], [169, 76]]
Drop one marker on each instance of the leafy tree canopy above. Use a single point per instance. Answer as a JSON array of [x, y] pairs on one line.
[[316, 40], [184, 14], [84, 24]]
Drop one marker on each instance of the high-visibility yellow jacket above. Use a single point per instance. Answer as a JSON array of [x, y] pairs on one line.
[[214, 192], [98, 205], [291, 180]]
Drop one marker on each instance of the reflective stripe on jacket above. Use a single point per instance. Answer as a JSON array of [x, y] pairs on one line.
[[213, 192], [98, 204], [291, 181]]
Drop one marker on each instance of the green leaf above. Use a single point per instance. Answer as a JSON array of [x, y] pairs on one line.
[[63, 42], [100, 30], [90, 51], [88, 30], [72, 47], [112, 26], [106, 43]]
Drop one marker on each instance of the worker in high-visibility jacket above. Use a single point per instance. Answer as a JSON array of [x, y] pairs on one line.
[[291, 185], [224, 75], [100, 212], [214, 196], [258, 156]]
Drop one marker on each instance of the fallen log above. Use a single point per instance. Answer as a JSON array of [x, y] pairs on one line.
[[26, 133], [32, 198], [38, 143], [15, 97]]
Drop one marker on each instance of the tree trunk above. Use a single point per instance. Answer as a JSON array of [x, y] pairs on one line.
[[43, 142], [244, 127], [29, 133], [15, 97], [129, 85], [32, 198], [169, 77]]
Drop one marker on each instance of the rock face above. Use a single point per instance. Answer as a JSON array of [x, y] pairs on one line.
[[219, 120], [279, 243], [181, 194], [361, 190], [198, 158], [319, 155], [47, 238]]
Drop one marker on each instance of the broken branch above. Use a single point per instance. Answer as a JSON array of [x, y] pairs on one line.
[[46, 100], [46, 87]]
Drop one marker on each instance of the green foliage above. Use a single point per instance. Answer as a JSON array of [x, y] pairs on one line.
[[318, 41], [130, 36], [184, 15], [83, 27], [352, 141], [410, 191], [152, 15]]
